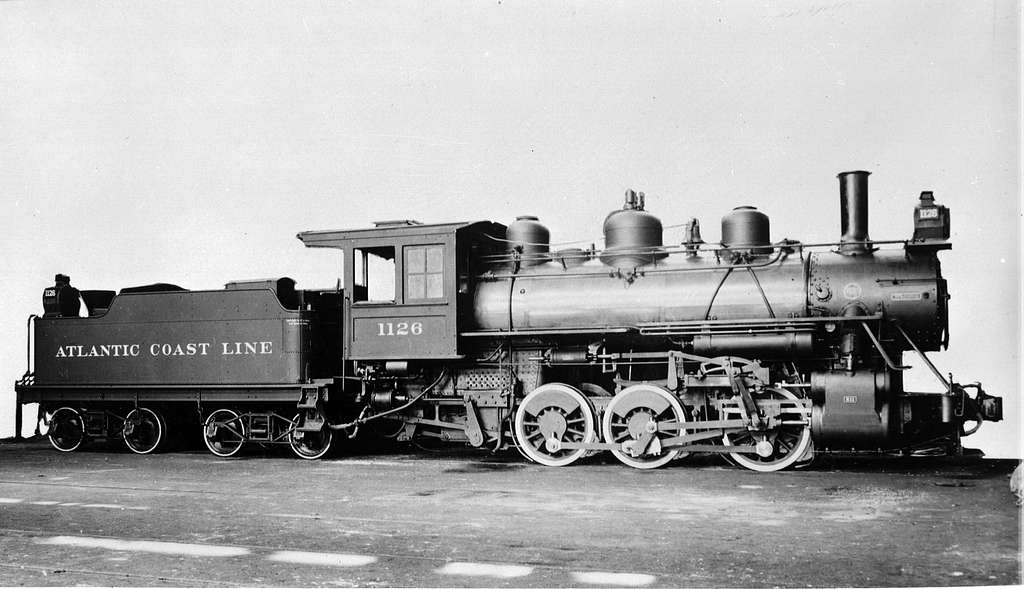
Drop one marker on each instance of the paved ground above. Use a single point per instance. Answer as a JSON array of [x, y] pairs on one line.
[[105, 517]]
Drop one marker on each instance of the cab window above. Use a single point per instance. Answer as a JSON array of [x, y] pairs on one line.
[[424, 272], [374, 275]]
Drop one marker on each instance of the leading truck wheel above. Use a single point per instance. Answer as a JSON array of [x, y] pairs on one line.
[[144, 430], [309, 445], [779, 447], [66, 430], [550, 415], [224, 433]]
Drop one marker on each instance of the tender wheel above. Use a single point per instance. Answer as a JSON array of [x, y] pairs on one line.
[[144, 430], [550, 415], [632, 418], [309, 445], [778, 448], [224, 433], [66, 430]]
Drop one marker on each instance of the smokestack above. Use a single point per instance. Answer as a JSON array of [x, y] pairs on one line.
[[853, 212]]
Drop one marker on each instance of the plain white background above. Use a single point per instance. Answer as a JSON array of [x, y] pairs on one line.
[[188, 142]]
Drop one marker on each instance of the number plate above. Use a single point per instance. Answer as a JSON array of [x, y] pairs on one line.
[[400, 337], [906, 296]]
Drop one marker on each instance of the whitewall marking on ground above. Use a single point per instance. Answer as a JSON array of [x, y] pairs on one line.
[[474, 569], [293, 515], [145, 546], [322, 558], [112, 506], [616, 579]]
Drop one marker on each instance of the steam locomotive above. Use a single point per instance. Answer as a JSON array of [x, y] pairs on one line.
[[482, 333]]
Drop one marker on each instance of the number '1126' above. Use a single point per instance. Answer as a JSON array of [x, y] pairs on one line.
[[401, 328]]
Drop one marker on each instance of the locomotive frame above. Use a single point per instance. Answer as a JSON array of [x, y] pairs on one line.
[[762, 352]]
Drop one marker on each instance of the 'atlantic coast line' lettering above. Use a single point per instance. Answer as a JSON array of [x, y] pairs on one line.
[[258, 348]]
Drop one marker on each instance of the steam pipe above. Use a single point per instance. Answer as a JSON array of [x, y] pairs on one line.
[[853, 212]]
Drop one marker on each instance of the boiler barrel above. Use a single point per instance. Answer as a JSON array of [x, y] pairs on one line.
[[550, 297]]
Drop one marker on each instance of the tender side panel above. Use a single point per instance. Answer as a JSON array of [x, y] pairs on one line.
[[179, 338]]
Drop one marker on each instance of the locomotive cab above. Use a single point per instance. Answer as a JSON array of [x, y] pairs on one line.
[[406, 299]]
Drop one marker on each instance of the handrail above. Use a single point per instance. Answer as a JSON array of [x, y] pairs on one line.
[[756, 321], [640, 271], [28, 346], [935, 371], [674, 249], [878, 346]]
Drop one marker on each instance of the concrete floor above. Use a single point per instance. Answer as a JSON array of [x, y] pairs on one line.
[[103, 516]]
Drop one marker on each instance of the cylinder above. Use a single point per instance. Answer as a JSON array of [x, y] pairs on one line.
[[382, 400], [577, 356], [746, 228], [853, 213], [531, 238], [852, 409]]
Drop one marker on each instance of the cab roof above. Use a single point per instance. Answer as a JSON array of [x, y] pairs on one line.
[[397, 229]]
